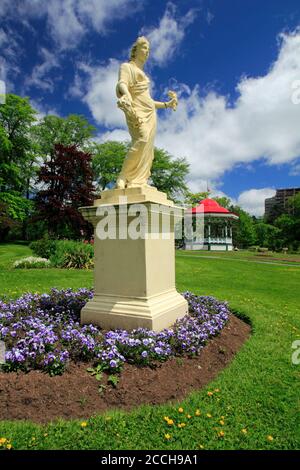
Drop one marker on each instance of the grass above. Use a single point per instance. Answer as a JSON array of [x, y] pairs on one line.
[[268, 257], [258, 391]]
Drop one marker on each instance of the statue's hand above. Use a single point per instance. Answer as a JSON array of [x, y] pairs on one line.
[[124, 102], [174, 100]]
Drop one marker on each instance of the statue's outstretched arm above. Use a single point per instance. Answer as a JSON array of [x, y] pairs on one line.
[[168, 104]]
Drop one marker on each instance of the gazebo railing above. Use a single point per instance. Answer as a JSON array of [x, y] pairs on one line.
[[218, 240]]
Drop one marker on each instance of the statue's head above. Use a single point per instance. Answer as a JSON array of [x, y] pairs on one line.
[[141, 40]]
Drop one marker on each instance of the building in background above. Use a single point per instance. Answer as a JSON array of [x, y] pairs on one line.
[[279, 202]]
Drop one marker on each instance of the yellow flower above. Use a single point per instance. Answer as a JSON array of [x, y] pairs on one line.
[[9, 446], [222, 422], [45, 435], [170, 422], [166, 418], [244, 431], [33, 438], [201, 446], [208, 415], [210, 393], [167, 436], [181, 425], [197, 412], [83, 424], [222, 417], [188, 416], [270, 438], [2, 440], [180, 410], [221, 434], [217, 390]]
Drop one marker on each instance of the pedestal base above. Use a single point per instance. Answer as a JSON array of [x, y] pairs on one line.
[[155, 313], [134, 274]]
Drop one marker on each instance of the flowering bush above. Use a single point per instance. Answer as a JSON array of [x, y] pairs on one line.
[[31, 262], [44, 332], [73, 255]]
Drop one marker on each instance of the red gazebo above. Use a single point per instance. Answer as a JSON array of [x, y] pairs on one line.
[[216, 231]]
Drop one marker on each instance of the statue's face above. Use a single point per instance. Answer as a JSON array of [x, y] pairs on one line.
[[142, 52]]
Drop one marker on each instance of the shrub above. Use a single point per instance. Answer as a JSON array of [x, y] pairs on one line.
[[262, 249], [73, 255], [45, 247], [31, 263]]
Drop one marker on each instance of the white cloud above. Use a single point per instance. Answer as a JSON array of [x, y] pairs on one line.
[[101, 93], [295, 170], [10, 49], [253, 200], [40, 73], [262, 123], [68, 21], [214, 134], [209, 17], [166, 38], [42, 109]]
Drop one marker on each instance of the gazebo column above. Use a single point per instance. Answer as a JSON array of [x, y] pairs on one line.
[[208, 235]]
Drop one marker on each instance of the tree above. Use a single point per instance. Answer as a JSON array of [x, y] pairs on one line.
[[67, 181], [107, 161], [193, 199], [16, 119], [243, 230], [289, 227], [51, 130], [266, 235], [223, 201], [168, 174]]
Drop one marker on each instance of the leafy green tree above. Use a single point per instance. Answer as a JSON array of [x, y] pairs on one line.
[[243, 232], [51, 130], [16, 119], [266, 235], [289, 229], [223, 201], [167, 174], [107, 161], [294, 205], [193, 199]]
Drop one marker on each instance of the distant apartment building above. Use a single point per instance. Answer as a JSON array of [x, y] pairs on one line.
[[280, 200]]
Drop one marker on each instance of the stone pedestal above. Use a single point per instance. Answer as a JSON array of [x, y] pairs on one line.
[[134, 274]]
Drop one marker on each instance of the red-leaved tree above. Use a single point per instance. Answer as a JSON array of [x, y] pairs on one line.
[[66, 184]]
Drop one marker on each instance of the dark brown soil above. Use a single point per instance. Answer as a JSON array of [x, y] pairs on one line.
[[38, 397]]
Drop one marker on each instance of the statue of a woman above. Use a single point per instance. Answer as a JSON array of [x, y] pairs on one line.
[[140, 111]]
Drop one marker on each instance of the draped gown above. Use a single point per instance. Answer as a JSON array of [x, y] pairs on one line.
[[137, 165]]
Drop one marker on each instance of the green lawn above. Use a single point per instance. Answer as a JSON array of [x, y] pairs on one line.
[[259, 391]]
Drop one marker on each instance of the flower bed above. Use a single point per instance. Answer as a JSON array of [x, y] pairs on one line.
[[43, 332], [31, 262]]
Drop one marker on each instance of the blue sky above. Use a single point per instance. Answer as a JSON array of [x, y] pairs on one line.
[[235, 65]]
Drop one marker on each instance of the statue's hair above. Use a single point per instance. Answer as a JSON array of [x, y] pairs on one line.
[[140, 40]]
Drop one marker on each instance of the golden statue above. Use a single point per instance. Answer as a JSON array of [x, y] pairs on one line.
[[140, 111]]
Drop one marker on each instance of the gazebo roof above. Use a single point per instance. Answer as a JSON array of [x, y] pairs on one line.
[[211, 207]]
